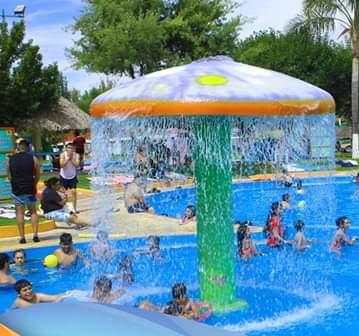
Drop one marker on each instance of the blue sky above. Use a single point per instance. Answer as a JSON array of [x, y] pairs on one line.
[[46, 21]]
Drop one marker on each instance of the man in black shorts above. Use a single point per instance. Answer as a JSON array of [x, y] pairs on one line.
[[24, 174]]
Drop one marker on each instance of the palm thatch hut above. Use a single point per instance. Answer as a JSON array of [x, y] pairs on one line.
[[64, 116]]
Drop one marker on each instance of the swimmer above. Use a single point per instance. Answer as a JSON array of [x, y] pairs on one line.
[[275, 228], [19, 263], [341, 237], [101, 249], [153, 244], [190, 215], [285, 178], [102, 291], [180, 305], [126, 271], [300, 189], [5, 278], [285, 202], [356, 179], [185, 305], [19, 258], [153, 247], [26, 297], [246, 246], [300, 243], [67, 255]]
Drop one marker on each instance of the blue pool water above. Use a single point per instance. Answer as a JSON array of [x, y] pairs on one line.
[[309, 293]]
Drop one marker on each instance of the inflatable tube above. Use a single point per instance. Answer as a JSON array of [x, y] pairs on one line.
[[92, 319], [204, 310]]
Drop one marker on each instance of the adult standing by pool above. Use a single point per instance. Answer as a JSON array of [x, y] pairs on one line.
[[69, 161], [79, 144], [24, 174]]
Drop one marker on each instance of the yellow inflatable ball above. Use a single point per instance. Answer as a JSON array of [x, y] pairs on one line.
[[51, 261], [301, 205]]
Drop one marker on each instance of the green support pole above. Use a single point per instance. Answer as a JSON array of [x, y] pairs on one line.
[[213, 172]]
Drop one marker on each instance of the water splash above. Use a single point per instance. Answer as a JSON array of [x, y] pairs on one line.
[[324, 305]]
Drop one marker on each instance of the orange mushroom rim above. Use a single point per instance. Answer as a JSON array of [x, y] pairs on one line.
[[161, 108]]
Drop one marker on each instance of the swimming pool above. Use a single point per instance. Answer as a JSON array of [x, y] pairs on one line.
[[311, 293]]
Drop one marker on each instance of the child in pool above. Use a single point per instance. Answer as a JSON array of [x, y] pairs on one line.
[[153, 247], [19, 264], [125, 273], [185, 306], [26, 297], [5, 278], [190, 215], [180, 305], [275, 228], [102, 291], [341, 237], [286, 179], [300, 243], [19, 258], [285, 202], [246, 246], [66, 254], [153, 244], [101, 250], [300, 189]]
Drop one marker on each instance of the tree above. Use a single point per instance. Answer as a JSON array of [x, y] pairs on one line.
[[26, 86], [325, 15], [136, 37], [304, 55], [83, 101]]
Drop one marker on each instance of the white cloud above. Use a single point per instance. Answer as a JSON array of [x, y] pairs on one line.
[[268, 14]]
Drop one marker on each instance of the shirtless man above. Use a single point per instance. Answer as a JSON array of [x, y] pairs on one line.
[[135, 198], [5, 278], [26, 297], [67, 255]]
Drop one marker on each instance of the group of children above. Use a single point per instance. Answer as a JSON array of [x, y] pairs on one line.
[[275, 231], [180, 305], [102, 292]]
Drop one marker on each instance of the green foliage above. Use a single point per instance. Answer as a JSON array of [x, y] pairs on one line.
[[304, 55], [83, 101], [133, 37], [26, 87]]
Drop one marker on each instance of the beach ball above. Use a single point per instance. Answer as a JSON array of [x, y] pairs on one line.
[[51, 261], [301, 205]]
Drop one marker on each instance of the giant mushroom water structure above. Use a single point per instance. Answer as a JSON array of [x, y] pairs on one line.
[[208, 97]]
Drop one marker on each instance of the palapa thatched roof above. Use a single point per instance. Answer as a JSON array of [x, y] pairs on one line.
[[65, 115]]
